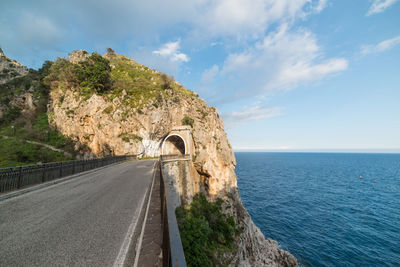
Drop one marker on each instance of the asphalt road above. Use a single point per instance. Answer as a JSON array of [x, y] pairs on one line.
[[81, 222]]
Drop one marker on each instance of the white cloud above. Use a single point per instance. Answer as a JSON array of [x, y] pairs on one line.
[[254, 113], [209, 75], [320, 6], [199, 22], [379, 6], [380, 47], [282, 60], [243, 18], [171, 51]]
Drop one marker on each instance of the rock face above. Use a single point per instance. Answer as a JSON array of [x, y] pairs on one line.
[[10, 69], [78, 56], [108, 126], [21, 98]]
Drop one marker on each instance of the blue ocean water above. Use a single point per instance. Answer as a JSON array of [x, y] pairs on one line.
[[327, 209]]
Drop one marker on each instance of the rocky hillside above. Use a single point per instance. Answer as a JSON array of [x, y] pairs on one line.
[[113, 105], [131, 113], [10, 69], [25, 134]]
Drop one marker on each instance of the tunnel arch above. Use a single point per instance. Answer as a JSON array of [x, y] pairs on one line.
[[174, 144]]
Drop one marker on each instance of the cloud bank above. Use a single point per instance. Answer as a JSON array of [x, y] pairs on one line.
[[380, 47], [256, 112], [282, 60], [379, 6]]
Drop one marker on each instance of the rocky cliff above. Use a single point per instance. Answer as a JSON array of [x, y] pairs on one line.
[[135, 120], [112, 105], [10, 69]]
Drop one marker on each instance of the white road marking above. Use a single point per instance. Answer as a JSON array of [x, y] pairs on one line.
[[123, 252], [139, 245]]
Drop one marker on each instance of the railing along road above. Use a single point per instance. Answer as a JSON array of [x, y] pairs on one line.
[[173, 254], [14, 178]]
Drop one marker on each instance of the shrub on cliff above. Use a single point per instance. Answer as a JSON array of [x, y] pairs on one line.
[[94, 73], [205, 230], [91, 75], [187, 121], [61, 74], [166, 81]]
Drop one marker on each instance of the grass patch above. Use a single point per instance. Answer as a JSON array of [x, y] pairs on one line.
[[203, 113], [15, 153], [128, 137], [108, 110], [115, 76], [144, 158], [187, 121]]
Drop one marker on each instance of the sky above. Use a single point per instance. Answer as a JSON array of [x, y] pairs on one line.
[[285, 75]]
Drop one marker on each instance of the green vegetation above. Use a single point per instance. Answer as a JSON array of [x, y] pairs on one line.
[[15, 153], [94, 74], [205, 231], [166, 81], [115, 76], [38, 130], [90, 76], [128, 137], [33, 125], [18, 85], [203, 113], [108, 110], [10, 115], [144, 158], [187, 121]]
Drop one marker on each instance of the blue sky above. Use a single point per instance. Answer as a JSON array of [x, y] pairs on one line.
[[285, 75]]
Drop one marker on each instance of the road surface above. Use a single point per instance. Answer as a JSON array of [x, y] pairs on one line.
[[85, 221]]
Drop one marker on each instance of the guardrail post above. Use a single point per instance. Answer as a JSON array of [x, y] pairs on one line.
[[19, 184], [61, 165]]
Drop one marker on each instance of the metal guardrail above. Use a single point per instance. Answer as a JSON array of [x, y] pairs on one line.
[[173, 254], [14, 178]]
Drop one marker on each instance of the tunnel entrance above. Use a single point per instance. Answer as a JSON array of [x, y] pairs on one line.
[[173, 145]]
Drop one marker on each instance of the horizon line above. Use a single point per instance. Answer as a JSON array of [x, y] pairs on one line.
[[322, 150]]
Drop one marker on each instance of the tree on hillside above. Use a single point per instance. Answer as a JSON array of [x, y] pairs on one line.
[[94, 73]]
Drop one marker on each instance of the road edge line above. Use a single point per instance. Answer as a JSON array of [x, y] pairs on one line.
[[139, 246], [126, 244]]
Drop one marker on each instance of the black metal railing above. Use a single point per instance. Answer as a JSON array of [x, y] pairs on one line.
[[14, 178], [173, 254], [174, 156]]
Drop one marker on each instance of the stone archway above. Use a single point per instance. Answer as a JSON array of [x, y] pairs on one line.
[[174, 144]]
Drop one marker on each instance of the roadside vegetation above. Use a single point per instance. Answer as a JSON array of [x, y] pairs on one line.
[[15, 153], [205, 231]]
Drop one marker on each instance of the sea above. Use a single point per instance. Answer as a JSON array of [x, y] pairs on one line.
[[327, 209]]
